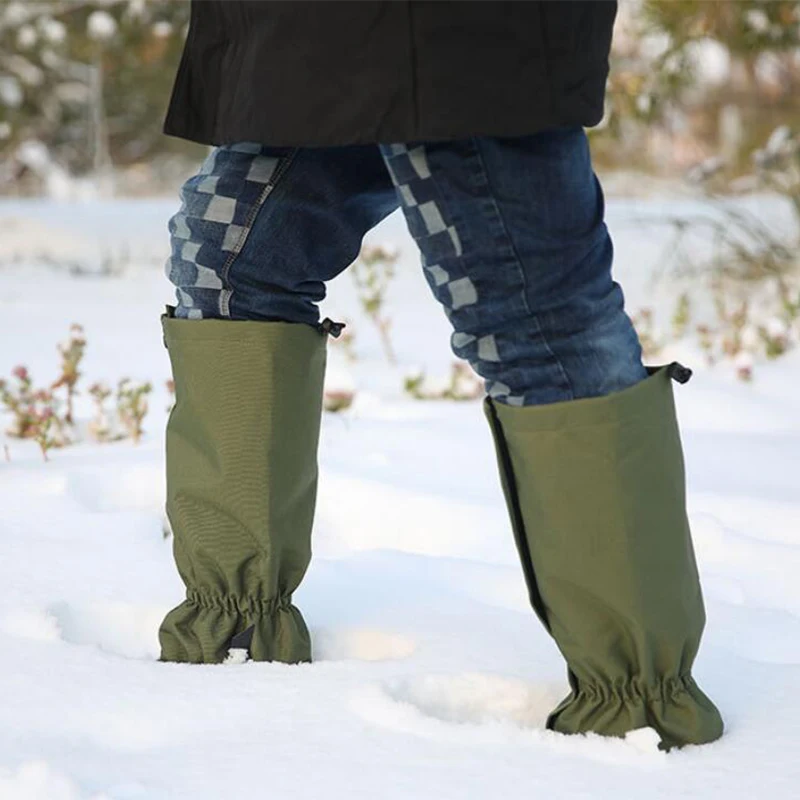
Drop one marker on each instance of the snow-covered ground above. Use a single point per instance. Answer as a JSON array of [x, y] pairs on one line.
[[432, 677]]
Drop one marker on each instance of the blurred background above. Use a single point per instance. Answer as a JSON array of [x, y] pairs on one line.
[[83, 88], [84, 84]]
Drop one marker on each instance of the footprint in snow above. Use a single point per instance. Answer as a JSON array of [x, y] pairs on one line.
[[360, 644], [465, 699], [475, 708], [137, 487], [123, 629], [131, 631]]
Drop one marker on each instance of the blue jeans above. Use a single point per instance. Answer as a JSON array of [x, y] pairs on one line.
[[511, 233]]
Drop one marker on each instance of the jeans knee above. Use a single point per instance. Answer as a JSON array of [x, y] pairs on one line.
[[584, 348], [598, 346]]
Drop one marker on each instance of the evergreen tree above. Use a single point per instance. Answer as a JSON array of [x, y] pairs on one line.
[[89, 80], [664, 51]]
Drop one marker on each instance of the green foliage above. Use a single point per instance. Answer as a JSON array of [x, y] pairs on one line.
[[100, 426], [335, 400], [345, 341], [132, 406], [682, 316], [746, 27], [36, 414], [72, 352], [667, 78], [643, 322], [91, 79], [372, 273], [462, 384], [84, 76]]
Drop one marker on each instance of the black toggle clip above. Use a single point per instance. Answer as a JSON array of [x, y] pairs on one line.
[[679, 373], [332, 328]]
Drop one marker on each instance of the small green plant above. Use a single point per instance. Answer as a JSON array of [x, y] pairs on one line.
[[775, 338], [336, 400], [45, 431], [705, 338], [732, 324], [682, 316], [372, 272], [32, 410], [36, 413], [463, 384], [743, 363], [751, 321], [72, 352], [170, 384], [414, 385], [346, 341], [18, 400], [644, 323], [100, 427], [132, 407]]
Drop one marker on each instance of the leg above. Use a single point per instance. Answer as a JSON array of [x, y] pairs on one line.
[[259, 233], [515, 249], [262, 229], [514, 246]]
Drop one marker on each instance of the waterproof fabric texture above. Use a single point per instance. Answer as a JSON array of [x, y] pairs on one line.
[[595, 489], [334, 73], [241, 485]]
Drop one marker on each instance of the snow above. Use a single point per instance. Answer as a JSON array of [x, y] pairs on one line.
[[26, 37], [57, 182], [11, 93], [101, 25], [711, 61], [162, 29], [432, 677], [54, 31], [757, 20], [35, 780], [14, 14]]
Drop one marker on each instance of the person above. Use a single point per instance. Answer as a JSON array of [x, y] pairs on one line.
[[324, 118]]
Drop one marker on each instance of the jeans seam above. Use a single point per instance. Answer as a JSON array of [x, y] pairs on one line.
[[227, 291], [521, 269]]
